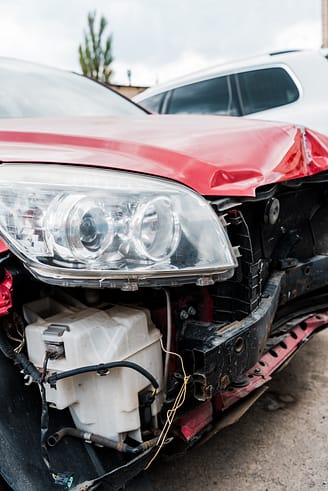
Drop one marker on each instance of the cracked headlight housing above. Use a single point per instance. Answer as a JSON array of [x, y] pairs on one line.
[[82, 226]]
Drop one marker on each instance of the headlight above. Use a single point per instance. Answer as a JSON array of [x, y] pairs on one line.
[[95, 227]]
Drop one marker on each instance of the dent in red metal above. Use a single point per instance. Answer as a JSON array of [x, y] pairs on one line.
[[272, 360], [5, 293], [195, 420], [214, 155]]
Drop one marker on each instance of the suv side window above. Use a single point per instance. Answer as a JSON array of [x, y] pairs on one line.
[[153, 103], [213, 96], [266, 88]]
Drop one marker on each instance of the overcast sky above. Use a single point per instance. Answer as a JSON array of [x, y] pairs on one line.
[[158, 39]]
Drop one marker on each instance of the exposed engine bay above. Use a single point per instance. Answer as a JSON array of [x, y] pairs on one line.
[[156, 368]]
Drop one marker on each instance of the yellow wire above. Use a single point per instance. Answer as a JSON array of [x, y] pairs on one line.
[[21, 342], [179, 401]]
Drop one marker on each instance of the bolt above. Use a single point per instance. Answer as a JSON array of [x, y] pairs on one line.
[[191, 310], [184, 315]]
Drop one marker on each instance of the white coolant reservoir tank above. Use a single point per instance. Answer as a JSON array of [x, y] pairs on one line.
[[105, 405]]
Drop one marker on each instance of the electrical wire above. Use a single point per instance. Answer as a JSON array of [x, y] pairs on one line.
[[168, 339], [20, 329], [179, 401], [64, 479], [44, 366], [44, 414], [103, 369]]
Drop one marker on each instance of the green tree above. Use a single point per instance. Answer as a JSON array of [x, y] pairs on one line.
[[96, 51]]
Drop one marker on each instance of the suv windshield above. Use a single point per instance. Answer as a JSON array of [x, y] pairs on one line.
[[32, 91]]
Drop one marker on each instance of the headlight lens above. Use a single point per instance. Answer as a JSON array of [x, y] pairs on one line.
[[90, 226], [77, 228], [156, 229]]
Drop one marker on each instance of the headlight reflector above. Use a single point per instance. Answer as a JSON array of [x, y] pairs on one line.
[[77, 228], [156, 229]]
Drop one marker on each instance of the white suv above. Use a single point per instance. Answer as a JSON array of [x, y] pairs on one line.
[[286, 86]]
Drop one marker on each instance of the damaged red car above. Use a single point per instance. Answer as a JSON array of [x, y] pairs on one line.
[[156, 271]]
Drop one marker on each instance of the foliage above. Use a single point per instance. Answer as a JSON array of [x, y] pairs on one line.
[[95, 53]]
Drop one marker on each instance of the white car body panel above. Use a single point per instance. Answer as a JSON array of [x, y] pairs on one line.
[[308, 70]]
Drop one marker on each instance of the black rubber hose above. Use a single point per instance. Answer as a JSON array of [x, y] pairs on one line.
[[101, 369], [83, 435], [99, 440]]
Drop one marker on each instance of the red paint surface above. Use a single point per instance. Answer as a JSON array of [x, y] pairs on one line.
[[214, 155], [195, 420], [5, 294], [3, 246]]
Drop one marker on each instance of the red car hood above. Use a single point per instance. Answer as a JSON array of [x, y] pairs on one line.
[[214, 155]]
